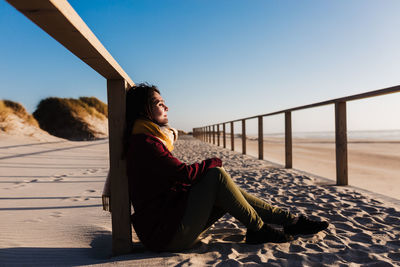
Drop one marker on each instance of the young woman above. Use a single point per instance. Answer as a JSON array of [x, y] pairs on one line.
[[174, 202]]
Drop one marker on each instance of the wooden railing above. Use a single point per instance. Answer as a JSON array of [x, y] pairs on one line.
[[61, 22], [206, 132]]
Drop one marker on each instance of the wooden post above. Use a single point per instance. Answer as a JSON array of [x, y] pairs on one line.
[[260, 138], [209, 134], [224, 135], [232, 137], [213, 134], [288, 140], [218, 134], [243, 136], [341, 143], [120, 204]]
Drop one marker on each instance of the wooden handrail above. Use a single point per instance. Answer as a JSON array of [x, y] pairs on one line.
[[375, 93], [340, 130], [61, 22]]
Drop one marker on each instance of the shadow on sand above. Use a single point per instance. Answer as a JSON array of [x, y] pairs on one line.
[[99, 252]]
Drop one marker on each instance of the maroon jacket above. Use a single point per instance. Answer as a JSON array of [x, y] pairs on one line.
[[158, 188]]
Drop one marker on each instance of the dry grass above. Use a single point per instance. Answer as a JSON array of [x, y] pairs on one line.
[[96, 104], [65, 117], [8, 107]]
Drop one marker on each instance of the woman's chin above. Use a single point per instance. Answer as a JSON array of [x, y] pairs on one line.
[[162, 122]]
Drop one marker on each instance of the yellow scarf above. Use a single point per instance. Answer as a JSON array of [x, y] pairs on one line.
[[165, 134]]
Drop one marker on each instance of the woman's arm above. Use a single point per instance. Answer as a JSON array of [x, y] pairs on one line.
[[172, 167]]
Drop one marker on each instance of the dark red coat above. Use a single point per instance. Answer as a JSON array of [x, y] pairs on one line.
[[158, 187]]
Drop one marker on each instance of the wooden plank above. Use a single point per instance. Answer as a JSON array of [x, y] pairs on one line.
[[120, 204], [260, 138], [243, 136], [213, 134], [232, 137], [288, 140], [218, 134], [61, 22], [224, 135], [341, 143], [385, 91]]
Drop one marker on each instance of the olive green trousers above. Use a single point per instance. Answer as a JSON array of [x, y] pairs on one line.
[[214, 195]]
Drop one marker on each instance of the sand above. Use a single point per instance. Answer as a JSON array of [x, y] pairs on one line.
[[50, 210], [373, 164]]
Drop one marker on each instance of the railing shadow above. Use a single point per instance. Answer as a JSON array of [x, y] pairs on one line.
[[51, 208], [50, 150], [98, 253], [32, 144], [24, 198]]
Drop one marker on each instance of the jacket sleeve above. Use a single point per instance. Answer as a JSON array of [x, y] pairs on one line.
[[178, 171]]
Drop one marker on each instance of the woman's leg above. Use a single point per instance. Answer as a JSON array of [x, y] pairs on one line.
[[267, 212], [209, 199]]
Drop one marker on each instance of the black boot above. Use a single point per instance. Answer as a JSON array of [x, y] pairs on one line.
[[305, 226], [267, 234]]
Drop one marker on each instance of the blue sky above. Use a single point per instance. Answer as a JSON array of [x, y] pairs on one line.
[[217, 60]]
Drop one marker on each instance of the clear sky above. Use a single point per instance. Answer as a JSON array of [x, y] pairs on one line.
[[219, 60]]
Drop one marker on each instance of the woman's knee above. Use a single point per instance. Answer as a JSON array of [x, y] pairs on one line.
[[216, 173], [220, 175]]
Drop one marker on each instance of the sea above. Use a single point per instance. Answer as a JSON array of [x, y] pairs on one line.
[[376, 135]]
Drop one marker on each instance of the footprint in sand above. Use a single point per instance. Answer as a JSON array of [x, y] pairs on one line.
[[93, 170], [314, 247], [361, 238], [90, 191], [56, 214], [58, 178], [90, 171], [19, 185], [77, 198]]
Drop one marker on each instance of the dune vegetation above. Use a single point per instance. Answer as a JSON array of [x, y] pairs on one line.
[[95, 103], [9, 111], [74, 119]]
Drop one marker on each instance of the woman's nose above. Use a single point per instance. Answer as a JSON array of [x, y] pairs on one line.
[[166, 108]]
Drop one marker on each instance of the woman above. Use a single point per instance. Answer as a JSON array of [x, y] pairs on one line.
[[174, 202]]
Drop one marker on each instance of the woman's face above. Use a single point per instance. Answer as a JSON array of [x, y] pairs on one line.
[[159, 109]]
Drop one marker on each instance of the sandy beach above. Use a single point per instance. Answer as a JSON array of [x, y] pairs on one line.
[[373, 164], [50, 210]]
